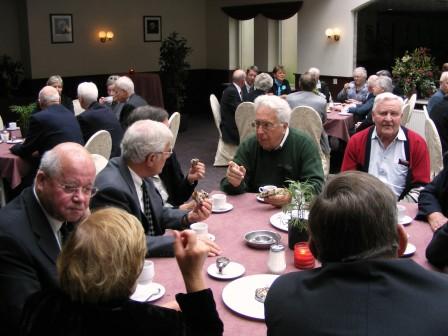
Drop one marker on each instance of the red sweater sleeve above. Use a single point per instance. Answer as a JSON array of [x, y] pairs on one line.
[[354, 154], [419, 159]]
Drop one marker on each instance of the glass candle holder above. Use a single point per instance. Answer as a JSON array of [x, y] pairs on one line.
[[303, 258]]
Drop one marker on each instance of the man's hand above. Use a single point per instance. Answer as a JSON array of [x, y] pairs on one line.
[[201, 211], [213, 248], [436, 220], [196, 172], [235, 174]]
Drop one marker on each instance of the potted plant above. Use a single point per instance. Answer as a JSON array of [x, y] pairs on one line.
[[11, 74], [173, 70], [414, 73], [302, 194], [24, 112]]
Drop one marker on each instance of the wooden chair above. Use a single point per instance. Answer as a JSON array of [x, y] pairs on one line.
[[224, 152], [244, 116], [174, 122], [100, 143], [308, 120]]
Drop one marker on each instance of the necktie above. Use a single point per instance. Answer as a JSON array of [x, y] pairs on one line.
[[147, 210], [65, 230]]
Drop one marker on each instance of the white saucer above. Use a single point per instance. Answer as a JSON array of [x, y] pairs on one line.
[[16, 141], [260, 199], [410, 250], [232, 271], [225, 208], [280, 219], [142, 292], [12, 129], [406, 220]]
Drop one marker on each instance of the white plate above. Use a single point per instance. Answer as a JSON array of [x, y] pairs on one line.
[[225, 208], [406, 220], [239, 295], [143, 291], [15, 141], [260, 199], [280, 219], [410, 250], [12, 129], [231, 271]]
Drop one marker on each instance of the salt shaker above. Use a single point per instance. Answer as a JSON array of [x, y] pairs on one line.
[[276, 260]]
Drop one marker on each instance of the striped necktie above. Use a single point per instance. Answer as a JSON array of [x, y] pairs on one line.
[[147, 210]]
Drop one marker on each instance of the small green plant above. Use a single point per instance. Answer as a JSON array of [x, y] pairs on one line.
[[24, 112], [302, 193]]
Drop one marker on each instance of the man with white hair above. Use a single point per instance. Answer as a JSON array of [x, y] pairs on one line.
[[274, 155], [396, 155], [97, 117], [437, 97], [125, 183], [356, 91], [321, 86], [262, 85], [232, 96], [125, 99]]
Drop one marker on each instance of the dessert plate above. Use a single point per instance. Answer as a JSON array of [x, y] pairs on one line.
[[225, 208], [406, 220], [410, 250], [148, 293]]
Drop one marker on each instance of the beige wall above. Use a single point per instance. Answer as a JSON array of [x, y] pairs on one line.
[[88, 56]]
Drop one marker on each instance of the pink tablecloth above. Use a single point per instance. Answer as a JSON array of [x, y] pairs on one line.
[[12, 167], [338, 125], [149, 87], [229, 228]]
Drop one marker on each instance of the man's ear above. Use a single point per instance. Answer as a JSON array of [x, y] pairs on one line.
[[402, 240], [39, 180], [150, 159]]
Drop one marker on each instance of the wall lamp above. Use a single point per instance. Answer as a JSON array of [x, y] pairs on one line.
[[105, 36], [334, 33]]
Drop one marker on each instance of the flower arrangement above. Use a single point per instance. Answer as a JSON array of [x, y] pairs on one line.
[[414, 72]]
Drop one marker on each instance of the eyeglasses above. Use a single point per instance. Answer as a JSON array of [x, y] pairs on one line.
[[166, 153], [265, 125], [71, 189]]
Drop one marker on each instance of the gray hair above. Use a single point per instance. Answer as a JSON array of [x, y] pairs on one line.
[[143, 138], [360, 70], [50, 163], [88, 92], [48, 96], [444, 76], [238, 75], [147, 112], [55, 79], [279, 105], [385, 83], [126, 84], [384, 73], [112, 79], [372, 80], [315, 72], [386, 96], [263, 82]]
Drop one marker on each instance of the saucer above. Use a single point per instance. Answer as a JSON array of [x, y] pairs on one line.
[[406, 220], [225, 208], [16, 141], [260, 199], [410, 250], [232, 271], [12, 129], [143, 291]]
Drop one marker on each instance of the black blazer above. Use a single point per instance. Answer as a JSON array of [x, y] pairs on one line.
[[99, 117], [48, 128], [251, 96], [229, 102], [116, 188], [28, 252], [134, 101]]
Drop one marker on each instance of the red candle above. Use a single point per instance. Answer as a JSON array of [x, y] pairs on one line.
[[303, 258]]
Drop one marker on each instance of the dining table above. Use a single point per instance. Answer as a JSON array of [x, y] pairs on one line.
[[149, 86], [12, 167], [245, 214], [338, 124]]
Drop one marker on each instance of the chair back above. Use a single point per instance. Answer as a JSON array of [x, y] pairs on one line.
[[100, 143], [244, 116], [308, 120], [406, 116], [416, 122], [2, 126], [216, 110], [77, 107], [99, 161], [434, 147], [412, 102], [174, 122]]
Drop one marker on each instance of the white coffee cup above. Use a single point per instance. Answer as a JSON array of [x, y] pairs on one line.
[[267, 188], [219, 201], [108, 99], [5, 136], [201, 229], [12, 125], [147, 273], [401, 211]]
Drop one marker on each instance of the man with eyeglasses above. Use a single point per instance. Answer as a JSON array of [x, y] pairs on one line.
[[125, 183], [274, 155], [34, 225]]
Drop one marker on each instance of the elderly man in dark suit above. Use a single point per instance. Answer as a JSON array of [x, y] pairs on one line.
[[232, 96], [362, 288], [125, 184], [33, 226], [97, 117], [53, 125]]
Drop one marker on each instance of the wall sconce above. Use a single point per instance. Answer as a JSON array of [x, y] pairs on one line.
[[334, 33], [105, 36]]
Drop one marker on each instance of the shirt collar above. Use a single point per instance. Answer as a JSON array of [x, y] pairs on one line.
[[285, 136], [137, 179], [400, 136], [54, 223]]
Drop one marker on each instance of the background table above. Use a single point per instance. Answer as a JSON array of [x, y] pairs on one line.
[[229, 228], [12, 167], [148, 86], [338, 125]]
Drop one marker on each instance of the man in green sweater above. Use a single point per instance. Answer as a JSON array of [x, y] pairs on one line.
[[274, 155]]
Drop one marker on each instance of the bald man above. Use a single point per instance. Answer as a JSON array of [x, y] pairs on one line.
[[232, 96], [34, 225]]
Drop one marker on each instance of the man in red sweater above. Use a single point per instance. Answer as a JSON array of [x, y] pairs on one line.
[[396, 155]]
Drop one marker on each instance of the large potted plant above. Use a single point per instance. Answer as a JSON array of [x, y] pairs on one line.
[[11, 74], [24, 113], [414, 73], [173, 70], [302, 193]]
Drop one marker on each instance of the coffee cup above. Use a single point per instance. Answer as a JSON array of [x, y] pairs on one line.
[[201, 229], [267, 188], [5, 136], [219, 201], [147, 273], [12, 125], [401, 212], [108, 99]]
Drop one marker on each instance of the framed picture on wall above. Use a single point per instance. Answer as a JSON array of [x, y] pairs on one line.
[[152, 28], [61, 28]]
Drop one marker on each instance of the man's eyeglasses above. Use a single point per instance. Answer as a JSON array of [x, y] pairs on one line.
[[265, 125], [71, 189], [166, 153]]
